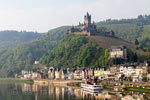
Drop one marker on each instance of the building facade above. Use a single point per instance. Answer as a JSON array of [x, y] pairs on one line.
[[118, 52]]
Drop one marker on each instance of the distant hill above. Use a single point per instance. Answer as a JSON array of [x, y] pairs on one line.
[[11, 38], [130, 29]]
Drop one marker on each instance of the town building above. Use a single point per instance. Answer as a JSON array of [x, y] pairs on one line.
[[78, 74], [36, 75], [118, 52], [51, 73], [90, 73], [99, 73]]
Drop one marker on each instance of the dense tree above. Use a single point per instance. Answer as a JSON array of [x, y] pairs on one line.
[[76, 50], [23, 55]]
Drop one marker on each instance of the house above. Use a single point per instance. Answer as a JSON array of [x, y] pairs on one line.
[[90, 73], [36, 62], [84, 73], [139, 71], [27, 76], [111, 77], [117, 52], [106, 74], [148, 77], [58, 73], [78, 74], [36, 75], [135, 78], [113, 69], [23, 72], [145, 70], [70, 76], [70, 73], [99, 72], [128, 71], [64, 74], [51, 73]]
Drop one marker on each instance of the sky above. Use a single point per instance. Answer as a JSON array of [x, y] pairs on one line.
[[43, 15]]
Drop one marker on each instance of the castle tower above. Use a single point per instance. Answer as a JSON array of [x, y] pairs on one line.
[[87, 20]]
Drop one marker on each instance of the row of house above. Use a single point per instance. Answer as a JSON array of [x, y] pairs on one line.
[[31, 75], [126, 72]]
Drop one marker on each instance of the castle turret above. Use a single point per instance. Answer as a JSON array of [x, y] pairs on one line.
[[87, 20]]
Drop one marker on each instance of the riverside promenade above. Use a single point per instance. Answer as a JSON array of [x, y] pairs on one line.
[[65, 82], [56, 82]]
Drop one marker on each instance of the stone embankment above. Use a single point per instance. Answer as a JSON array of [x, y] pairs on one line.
[[56, 82]]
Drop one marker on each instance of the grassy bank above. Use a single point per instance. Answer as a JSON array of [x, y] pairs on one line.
[[108, 87], [15, 80], [74, 84], [136, 89], [127, 88]]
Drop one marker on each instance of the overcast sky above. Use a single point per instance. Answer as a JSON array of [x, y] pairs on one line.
[[43, 15]]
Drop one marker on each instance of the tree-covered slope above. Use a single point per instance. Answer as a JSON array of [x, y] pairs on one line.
[[76, 50], [22, 56]]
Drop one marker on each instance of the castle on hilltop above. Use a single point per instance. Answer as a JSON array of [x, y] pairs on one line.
[[87, 28]]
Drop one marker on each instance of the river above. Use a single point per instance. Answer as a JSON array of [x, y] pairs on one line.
[[22, 91]]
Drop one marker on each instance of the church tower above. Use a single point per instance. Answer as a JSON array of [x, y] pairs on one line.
[[87, 20]]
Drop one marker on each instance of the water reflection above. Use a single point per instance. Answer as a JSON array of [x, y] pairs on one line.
[[57, 92], [51, 92]]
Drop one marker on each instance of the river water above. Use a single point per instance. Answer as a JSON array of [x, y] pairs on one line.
[[17, 91]]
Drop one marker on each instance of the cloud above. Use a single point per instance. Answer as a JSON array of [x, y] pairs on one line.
[[43, 17]]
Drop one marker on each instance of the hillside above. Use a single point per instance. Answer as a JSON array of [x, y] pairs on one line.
[[107, 42], [78, 50], [130, 29], [8, 38], [11, 38], [23, 55]]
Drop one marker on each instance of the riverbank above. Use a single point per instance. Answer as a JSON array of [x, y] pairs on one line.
[[127, 88], [137, 89], [73, 83], [58, 82], [15, 80]]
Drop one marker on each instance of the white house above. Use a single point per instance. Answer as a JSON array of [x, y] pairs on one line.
[[118, 52]]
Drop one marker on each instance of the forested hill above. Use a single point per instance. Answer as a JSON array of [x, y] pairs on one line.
[[130, 29], [78, 50], [22, 56], [10, 38]]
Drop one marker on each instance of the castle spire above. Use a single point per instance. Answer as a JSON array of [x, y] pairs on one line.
[[87, 20], [87, 13]]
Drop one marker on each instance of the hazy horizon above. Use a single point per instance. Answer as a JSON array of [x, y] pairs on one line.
[[43, 15]]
